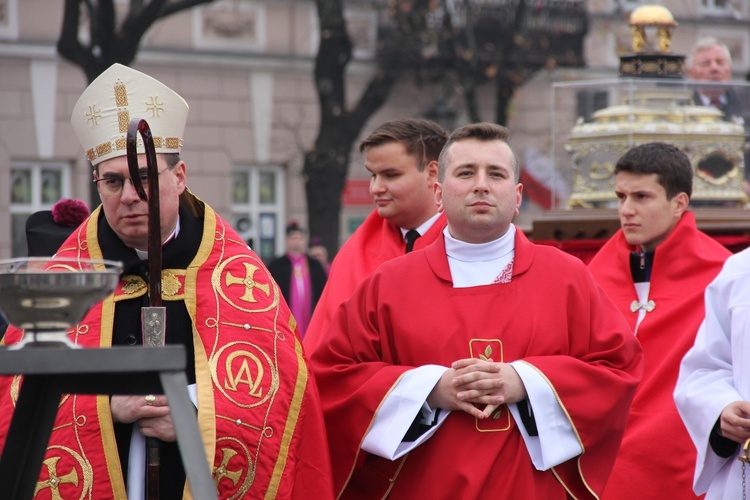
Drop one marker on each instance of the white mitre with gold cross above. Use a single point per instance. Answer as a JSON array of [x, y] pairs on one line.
[[101, 116]]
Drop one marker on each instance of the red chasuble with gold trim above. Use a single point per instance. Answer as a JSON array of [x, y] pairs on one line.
[[657, 457], [551, 315], [374, 242], [258, 406]]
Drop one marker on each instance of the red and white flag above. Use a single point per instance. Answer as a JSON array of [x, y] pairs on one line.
[[542, 184]]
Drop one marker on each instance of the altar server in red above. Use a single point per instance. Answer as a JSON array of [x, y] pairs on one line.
[[656, 268], [401, 156], [483, 366]]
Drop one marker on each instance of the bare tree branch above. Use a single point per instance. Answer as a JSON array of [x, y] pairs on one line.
[[180, 5], [109, 43]]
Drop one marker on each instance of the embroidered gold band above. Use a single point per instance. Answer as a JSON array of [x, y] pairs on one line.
[[172, 286], [108, 147]]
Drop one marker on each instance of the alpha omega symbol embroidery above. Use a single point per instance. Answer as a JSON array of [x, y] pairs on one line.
[[241, 373], [244, 373]]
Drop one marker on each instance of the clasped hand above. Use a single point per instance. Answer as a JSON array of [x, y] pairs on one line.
[[154, 419], [471, 382], [734, 421]]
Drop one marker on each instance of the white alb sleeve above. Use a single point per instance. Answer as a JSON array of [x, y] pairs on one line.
[[398, 410], [557, 441]]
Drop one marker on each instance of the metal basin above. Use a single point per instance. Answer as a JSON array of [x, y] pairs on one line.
[[45, 296]]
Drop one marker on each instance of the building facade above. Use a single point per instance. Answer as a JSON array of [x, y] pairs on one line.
[[245, 68]]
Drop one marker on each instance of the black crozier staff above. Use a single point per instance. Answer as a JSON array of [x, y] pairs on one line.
[[153, 317]]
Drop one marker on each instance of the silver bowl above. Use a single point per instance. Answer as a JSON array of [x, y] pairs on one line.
[[45, 296]]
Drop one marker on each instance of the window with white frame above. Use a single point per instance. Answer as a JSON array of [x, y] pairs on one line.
[[258, 208], [34, 186]]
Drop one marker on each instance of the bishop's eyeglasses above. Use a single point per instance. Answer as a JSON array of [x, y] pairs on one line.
[[112, 185]]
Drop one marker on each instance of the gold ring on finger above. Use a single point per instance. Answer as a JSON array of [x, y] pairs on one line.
[[150, 399]]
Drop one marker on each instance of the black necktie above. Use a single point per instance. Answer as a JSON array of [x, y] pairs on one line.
[[411, 236]]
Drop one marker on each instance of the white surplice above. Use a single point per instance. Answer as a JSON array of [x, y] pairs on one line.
[[716, 372]]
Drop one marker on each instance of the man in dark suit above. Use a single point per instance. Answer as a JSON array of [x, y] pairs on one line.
[[300, 277], [710, 61]]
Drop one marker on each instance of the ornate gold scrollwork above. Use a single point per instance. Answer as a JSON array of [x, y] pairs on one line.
[[600, 172]]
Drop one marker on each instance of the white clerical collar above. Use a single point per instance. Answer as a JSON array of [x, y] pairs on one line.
[[478, 264], [143, 254], [480, 252], [426, 225]]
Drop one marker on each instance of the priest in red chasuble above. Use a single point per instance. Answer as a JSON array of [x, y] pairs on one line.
[[656, 269], [483, 366], [256, 404], [401, 156]]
